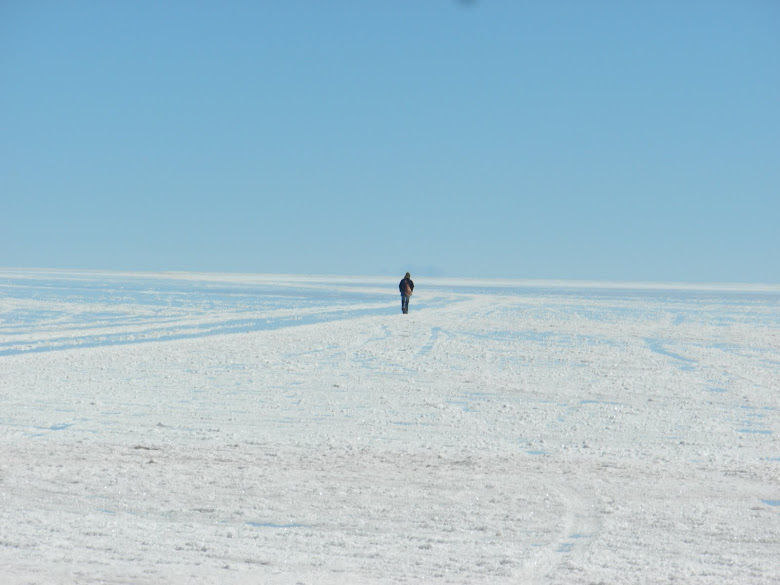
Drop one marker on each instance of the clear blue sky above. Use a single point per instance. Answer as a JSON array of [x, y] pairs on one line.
[[494, 138]]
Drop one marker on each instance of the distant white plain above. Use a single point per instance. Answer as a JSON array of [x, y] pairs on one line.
[[196, 428]]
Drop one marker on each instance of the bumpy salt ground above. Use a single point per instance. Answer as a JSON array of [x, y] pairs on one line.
[[187, 428]]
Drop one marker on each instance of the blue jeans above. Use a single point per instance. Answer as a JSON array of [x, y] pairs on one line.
[[404, 303]]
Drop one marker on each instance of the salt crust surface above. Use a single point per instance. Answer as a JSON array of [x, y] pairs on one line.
[[277, 429]]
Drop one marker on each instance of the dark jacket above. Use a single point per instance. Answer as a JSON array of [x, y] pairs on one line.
[[403, 283]]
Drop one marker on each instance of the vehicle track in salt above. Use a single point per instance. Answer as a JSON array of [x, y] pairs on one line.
[[581, 525]]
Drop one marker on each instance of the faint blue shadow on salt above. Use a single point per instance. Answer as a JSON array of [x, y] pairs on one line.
[[434, 336], [59, 427], [566, 547], [773, 503], [528, 447], [275, 525], [657, 346], [755, 424], [604, 402]]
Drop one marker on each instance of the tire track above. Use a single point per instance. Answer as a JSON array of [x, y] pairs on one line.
[[581, 525]]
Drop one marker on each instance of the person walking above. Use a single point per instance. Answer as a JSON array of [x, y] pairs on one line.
[[406, 286]]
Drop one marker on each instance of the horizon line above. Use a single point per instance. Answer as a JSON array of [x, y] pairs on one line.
[[489, 282]]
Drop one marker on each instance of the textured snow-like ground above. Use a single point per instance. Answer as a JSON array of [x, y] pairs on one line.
[[178, 428]]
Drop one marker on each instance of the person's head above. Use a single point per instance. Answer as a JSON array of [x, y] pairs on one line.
[[408, 275]]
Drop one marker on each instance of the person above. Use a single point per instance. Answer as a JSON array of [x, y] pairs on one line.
[[406, 286]]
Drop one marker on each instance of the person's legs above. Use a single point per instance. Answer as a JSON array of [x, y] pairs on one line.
[[404, 303]]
